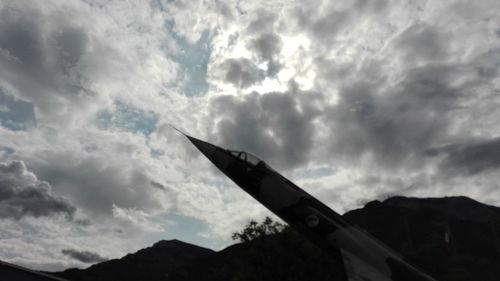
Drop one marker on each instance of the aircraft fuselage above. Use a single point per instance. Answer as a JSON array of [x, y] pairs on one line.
[[364, 257]]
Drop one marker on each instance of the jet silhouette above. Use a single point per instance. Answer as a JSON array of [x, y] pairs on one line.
[[362, 256]]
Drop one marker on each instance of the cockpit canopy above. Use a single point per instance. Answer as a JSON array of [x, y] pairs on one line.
[[245, 156]]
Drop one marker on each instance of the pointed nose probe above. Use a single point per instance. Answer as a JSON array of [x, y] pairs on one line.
[[204, 147]]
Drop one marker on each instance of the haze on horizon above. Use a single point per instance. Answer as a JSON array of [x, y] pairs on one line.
[[352, 100]]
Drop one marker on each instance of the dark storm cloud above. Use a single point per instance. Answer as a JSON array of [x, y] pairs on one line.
[[22, 194], [94, 184], [267, 46], [392, 124], [396, 123], [421, 42], [276, 126], [40, 57], [83, 256], [72, 43], [471, 158], [242, 72]]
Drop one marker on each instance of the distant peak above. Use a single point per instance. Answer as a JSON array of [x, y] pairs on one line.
[[457, 206], [179, 245], [169, 243], [414, 202]]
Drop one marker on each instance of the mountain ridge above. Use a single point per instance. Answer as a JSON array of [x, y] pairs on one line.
[[452, 238]]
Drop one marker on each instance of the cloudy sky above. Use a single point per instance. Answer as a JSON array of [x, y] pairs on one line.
[[353, 100]]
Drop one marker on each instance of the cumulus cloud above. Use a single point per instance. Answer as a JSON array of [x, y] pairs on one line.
[[96, 184], [267, 47], [83, 256], [277, 126], [391, 90], [396, 122], [66, 61], [324, 21], [242, 72], [22, 194], [53, 57], [170, 193], [390, 123], [135, 220], [42, 58], [421, 42], [474, 157]]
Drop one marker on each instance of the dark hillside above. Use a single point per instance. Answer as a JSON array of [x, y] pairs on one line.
[[452, 238]]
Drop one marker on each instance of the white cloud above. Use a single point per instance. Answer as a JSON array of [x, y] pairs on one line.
[[135, 218]]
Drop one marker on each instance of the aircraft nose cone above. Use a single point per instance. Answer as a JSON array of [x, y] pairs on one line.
[[204, 147]]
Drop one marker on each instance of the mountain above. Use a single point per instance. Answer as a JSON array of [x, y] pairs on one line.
[[452, 238], [153, 263]]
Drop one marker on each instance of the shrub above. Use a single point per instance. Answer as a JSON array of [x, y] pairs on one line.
[[255, 230]]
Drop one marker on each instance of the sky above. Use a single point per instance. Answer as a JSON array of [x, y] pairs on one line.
[[352, 100]]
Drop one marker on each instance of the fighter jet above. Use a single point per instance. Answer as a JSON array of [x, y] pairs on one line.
[[362, 256]]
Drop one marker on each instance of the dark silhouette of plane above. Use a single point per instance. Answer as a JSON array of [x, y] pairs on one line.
[[362, 256]]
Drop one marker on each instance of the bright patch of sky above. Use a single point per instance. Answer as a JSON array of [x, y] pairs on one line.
[[5, 151], [314, 173], [16, 114], [193, 62], [188, 229], [125, 117]]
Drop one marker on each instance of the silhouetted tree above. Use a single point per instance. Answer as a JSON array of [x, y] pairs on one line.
[[255, 230]]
